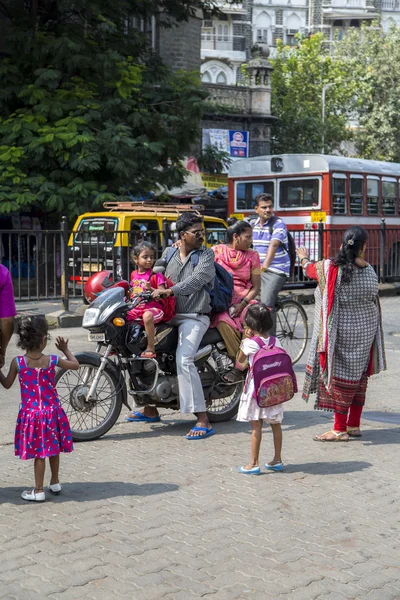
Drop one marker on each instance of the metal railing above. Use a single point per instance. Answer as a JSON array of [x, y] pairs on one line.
[[225, 43], [44, 266]]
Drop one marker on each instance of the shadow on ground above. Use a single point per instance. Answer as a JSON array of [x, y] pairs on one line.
[[168, 426], [328, 467], [92, 490]]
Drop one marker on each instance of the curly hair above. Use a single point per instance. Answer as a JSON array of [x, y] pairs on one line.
[[352, 245], [31, 331]]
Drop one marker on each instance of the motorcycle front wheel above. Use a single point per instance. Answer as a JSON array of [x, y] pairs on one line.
[[89, 420]]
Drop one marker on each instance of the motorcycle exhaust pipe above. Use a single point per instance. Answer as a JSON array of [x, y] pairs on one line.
[[203, 352]]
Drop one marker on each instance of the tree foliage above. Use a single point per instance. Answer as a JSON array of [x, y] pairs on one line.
[[296, 100], [372, 57], [213, 160], [87, 110]]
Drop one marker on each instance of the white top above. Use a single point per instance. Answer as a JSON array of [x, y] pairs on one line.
[[248, 408]]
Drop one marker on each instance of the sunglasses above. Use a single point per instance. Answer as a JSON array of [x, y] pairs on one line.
[[198, 233]]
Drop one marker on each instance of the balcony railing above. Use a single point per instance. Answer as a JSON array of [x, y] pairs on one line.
[[224, 43], [348, 3], [390, 4], [235, 99]]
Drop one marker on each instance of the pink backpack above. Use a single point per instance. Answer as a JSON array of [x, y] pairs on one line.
[[272, 371]]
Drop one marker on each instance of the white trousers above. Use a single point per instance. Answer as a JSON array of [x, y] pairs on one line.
[[192, 328]]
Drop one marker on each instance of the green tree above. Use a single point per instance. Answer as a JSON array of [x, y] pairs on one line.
[[214, 161], [372, 57], [87, 110], [296, 99]]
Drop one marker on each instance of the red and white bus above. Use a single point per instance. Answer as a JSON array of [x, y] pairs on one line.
[[320, 196]]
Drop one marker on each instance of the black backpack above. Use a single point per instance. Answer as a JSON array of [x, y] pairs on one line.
[[290, 249], [221, 294]]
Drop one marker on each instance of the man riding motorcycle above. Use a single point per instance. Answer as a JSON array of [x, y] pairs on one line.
[[191, 285]]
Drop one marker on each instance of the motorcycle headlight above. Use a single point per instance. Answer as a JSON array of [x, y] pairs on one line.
[[90, 317]]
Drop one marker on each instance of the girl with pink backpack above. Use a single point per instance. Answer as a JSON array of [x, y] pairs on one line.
[[270, 382]]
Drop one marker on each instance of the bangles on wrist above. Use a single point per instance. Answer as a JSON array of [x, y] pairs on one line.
[[304, 258]]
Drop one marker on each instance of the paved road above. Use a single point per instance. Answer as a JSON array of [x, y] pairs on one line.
[[146, 514]]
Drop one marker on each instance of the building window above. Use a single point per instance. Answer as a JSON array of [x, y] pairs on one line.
[[206, 77], [291, 39], [222, 78], [223, 33], [262, 35]]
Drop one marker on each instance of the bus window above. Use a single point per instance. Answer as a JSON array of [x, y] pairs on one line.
[[389, 196], [372, 195], [339, 192], [356, 194], [299, 193], [246, 191]]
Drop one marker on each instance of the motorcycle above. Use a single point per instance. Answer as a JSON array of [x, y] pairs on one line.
[[93, 396]]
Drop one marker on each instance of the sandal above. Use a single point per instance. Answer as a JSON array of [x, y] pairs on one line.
[[338, 437], [354, 432], [233, 376]]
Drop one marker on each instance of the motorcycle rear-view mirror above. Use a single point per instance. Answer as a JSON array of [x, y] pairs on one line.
[[160, 265]]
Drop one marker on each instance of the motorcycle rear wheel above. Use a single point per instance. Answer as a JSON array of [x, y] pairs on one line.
[[89, 421], [224, 409]]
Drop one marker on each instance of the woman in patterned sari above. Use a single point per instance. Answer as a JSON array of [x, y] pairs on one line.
[[244, 265], [347, 344]]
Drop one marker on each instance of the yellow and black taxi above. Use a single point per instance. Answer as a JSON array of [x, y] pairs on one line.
[[103, 240]]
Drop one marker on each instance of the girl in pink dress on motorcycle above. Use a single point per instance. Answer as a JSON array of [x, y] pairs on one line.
[[143, 280]]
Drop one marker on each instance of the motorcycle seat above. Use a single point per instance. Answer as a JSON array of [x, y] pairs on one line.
[[212, 336]]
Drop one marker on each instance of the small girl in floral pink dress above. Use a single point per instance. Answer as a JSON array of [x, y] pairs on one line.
[[43, 429], [147, 314]]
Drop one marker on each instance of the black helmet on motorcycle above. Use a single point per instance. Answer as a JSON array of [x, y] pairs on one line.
[[99, 282]]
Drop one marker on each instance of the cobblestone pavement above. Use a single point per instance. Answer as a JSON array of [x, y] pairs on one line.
[[147, 515]]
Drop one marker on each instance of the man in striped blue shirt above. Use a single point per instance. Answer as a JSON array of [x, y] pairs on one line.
[[270, 240]]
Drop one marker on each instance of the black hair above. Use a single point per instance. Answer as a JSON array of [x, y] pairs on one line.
[[31, 331], [258, 317], [353, 241], [140, 247], [263, 198], [237, 227], [186, 220]]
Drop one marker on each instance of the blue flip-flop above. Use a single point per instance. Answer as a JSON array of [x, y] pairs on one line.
[[143, 418], [200, 437], [277, 467], [253, 471]]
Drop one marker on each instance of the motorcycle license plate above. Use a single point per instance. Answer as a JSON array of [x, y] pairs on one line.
[[93, 268], [97, 337]]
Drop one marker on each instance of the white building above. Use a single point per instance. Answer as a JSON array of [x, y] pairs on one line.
[[226, 40]]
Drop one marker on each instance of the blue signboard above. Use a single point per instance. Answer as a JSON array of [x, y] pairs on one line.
[[239, 144]]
